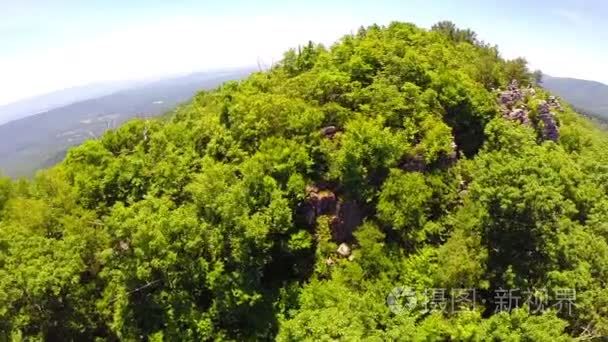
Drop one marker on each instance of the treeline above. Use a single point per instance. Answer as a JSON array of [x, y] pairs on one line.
[[310, 201]]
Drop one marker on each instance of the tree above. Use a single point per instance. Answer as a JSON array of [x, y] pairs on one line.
[[5, 192], [404, 204], [226, 219], [538, 77], [517, 69], [449, 29], [366, 152]]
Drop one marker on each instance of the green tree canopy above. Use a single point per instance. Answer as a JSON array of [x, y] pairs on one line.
[[290, 205]]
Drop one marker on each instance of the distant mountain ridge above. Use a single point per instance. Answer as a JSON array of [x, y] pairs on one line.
[[589, 97], [42, 103], [41, 140]]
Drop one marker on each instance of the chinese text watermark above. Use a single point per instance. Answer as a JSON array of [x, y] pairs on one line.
[[402, 299]]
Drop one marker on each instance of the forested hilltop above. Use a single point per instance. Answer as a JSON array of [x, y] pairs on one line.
[[404, 184]]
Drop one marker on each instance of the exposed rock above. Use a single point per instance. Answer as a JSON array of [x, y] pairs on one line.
[[510, 101], [413, 164], [519, 115], [319, 202], [329, 131], [311, 189], [310, 216], [123, 246], [549, 129], [554, 103], [329, 262], [323, 201], [454, 152], [344, 216], [349, 216], [510, 97], [344, 250], [513, 86]]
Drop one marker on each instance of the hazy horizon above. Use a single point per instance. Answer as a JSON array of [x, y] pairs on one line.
[[142, 80], [53, 46]]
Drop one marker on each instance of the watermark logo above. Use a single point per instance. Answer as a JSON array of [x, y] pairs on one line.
[[401, 299], [405, 299]]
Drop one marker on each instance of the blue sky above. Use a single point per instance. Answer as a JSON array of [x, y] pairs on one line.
[[46, 45]]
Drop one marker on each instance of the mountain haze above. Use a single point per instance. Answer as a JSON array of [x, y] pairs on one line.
[[590, 97], [42, 139], [42, 103]]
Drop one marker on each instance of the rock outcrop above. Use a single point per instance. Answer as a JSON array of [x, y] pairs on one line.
[[515, 108], [344, 250], [345, 215], [511, 103], [329, 131], [413, 163], [549, 128], [346, 219]]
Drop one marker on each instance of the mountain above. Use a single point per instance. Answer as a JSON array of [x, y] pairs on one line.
[[589, 96], [403, 185], [41, 140], [46, 102]]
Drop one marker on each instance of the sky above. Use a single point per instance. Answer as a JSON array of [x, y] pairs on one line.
[[48, 45]]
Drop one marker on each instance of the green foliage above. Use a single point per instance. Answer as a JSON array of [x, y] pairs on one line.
[[5, 192], [366, 152], [449, 29], [404, 203], [516, 69], [290, 204]]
